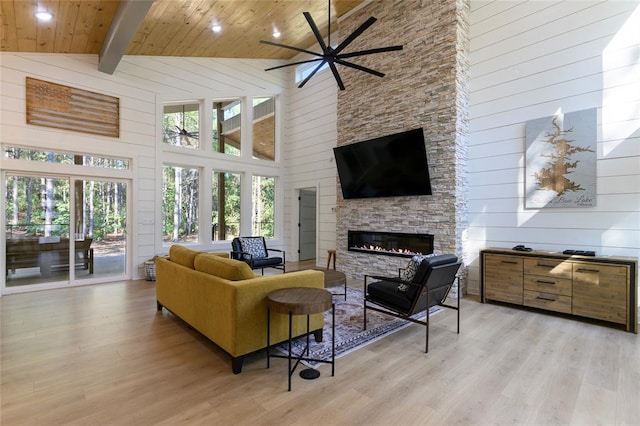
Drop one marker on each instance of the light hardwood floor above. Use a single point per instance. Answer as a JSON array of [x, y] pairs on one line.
[[102, 355]]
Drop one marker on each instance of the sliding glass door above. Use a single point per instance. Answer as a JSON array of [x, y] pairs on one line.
[[101, 228], [37, 230], [60, 230]]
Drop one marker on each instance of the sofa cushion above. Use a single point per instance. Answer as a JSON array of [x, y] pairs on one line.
[[224, 254], [182, 255], [228, 269]]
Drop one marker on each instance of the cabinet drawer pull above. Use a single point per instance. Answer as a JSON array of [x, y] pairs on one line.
[[594, 271], [512, 262], [547, 298], [546, 282], [544, 265]]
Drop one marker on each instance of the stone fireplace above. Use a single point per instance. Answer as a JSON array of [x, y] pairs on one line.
[[390, 243], [426, 85]]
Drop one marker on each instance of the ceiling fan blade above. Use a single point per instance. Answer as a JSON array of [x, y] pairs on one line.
[[315, 30], [359, 67], [293, 63], [333, 56], [315, 70], [369, 51], [297, 49], [355, 34], [334, 70]]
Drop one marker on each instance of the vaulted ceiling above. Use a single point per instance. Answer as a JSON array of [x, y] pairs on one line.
[[166, 27]]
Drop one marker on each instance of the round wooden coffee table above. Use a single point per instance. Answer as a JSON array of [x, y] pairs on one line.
[[301, 301], [333, 278]]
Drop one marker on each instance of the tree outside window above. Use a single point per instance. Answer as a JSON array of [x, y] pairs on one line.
[[180, 204], [263, 206], [225, 206]]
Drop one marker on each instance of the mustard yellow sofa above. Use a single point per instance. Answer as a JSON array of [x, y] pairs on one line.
[[225, 301]]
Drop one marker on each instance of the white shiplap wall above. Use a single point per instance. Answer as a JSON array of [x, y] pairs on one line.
[[310, 133], [530, 59], [141, 84]]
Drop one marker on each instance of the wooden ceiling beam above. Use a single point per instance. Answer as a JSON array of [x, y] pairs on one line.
[[124, 26]]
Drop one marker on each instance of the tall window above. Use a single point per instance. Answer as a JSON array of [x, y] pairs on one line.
[[182, 209], [181, 125], [264, 128], [180, 204], [225, 203], [226, 125], [263, 191]]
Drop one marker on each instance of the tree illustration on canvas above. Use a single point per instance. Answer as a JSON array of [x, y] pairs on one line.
[[555, 177], [561, 160]]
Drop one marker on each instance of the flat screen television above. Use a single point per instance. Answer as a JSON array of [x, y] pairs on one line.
[[387, 166]]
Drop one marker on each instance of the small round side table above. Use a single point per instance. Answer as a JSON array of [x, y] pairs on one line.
[[301, 301]]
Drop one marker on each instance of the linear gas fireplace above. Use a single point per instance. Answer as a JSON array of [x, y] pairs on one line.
[[390, 243]]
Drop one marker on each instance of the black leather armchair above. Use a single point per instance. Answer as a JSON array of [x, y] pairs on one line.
[[254, 251], [429, 286]]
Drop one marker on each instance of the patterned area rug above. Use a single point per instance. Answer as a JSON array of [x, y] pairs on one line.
[[349, 328]]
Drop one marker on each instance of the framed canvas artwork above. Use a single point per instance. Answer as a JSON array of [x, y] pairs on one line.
[[560, 160]]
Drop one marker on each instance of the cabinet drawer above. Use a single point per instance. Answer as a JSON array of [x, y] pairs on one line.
[[546, 284], [555, 268], [503, 278], [548, 301], [501, 265]]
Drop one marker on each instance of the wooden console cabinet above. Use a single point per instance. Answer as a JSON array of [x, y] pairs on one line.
[[602, 288]]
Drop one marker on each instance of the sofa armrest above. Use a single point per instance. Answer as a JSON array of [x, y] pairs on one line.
[[249, 308]]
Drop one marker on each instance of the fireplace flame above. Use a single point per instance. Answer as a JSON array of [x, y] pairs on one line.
[[371, 247]]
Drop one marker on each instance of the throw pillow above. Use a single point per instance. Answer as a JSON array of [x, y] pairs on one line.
[[410, 271], [253, 246]]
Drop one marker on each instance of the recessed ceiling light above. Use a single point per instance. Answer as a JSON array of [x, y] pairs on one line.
[[216, 28], [43, 15]]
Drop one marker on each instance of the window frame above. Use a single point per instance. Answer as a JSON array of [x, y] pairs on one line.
[[199, 129], [209, 161]]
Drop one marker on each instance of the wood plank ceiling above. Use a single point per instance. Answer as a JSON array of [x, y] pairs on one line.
[[179, 28], [171, 27]]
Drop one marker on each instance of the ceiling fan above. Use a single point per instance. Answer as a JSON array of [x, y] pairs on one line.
[[181, 136], [333, 56]]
